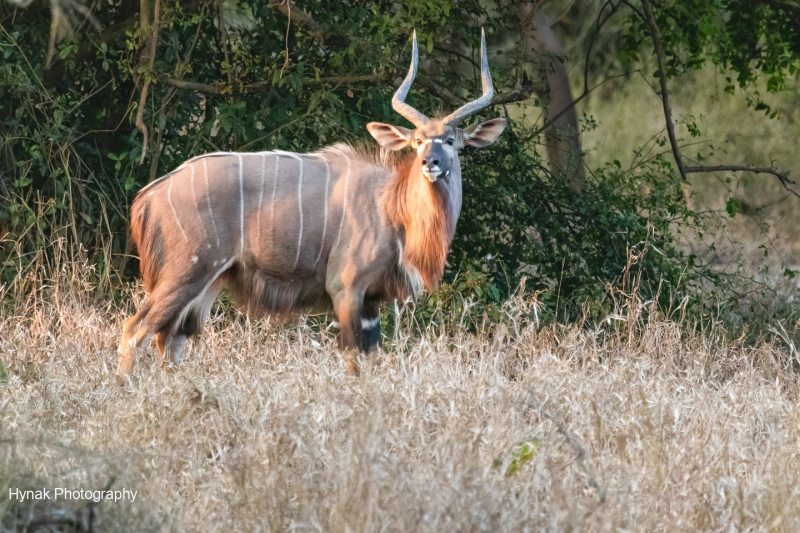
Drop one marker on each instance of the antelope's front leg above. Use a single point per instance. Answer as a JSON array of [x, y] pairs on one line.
[[371, 327], [347, 306]]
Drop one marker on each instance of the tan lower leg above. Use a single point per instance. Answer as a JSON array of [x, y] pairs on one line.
[[162, 341], [350, 358], [134, 335]]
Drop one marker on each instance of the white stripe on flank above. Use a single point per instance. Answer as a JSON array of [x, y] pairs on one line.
[[261, 197], [325, 215], [272, 207], [197, 206], [369, 323], [344, 202], [300, 207], [241, 208], [169, 199], [208, 198], [299, 200], [185, 163]]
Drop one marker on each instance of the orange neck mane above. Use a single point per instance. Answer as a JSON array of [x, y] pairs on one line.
[[423, 210]]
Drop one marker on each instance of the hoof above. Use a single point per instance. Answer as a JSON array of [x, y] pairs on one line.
[[375, 357], [351, 367], [168, 369], [123, 380]]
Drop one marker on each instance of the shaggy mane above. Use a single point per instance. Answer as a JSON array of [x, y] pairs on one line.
[[371, 154], [421, 209]]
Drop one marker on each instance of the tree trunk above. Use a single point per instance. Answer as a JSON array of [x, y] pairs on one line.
[[563, 130]]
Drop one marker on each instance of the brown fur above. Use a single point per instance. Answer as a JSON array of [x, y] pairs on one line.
[[147, 235], [259, 295]]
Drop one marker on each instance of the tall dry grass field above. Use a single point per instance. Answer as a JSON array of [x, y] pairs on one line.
[[636, 425]]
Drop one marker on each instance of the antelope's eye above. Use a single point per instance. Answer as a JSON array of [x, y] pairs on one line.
[[451, 141], [419, 142]]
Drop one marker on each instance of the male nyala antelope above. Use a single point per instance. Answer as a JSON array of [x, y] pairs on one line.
[[286, 233]]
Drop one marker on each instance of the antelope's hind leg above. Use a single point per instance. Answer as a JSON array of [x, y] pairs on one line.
[[170, 346], [135, 333], [172, 340], [178, 302]]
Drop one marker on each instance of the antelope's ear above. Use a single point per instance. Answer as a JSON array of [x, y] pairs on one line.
[[390, 137], [484, 133]]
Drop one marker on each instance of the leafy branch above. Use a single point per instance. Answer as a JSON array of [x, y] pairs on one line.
[[783, 177]]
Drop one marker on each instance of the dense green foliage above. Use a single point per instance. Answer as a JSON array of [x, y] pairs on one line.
[[70, 158], [748, 40]]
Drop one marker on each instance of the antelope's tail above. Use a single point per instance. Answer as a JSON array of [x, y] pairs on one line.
[[149, 240]]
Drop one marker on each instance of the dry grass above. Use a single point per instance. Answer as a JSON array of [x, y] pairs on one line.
[[634, 426]]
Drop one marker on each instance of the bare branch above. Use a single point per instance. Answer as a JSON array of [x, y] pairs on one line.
[[217, 88], [639, 13], [433, 87], [783, 177], [149, 49], [517, 95], [300, 17], [662, 78], [440, 92], [599, 25], [190, 85]]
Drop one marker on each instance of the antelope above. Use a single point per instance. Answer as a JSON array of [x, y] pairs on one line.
[[340, 229]]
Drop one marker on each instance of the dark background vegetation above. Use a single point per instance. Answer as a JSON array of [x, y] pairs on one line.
[[97, 98]]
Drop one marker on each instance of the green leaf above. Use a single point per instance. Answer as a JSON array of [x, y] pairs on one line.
[[522, 453], [733, 207], [66, 51]]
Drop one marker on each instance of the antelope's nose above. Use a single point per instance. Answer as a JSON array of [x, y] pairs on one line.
[[430, 163]]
